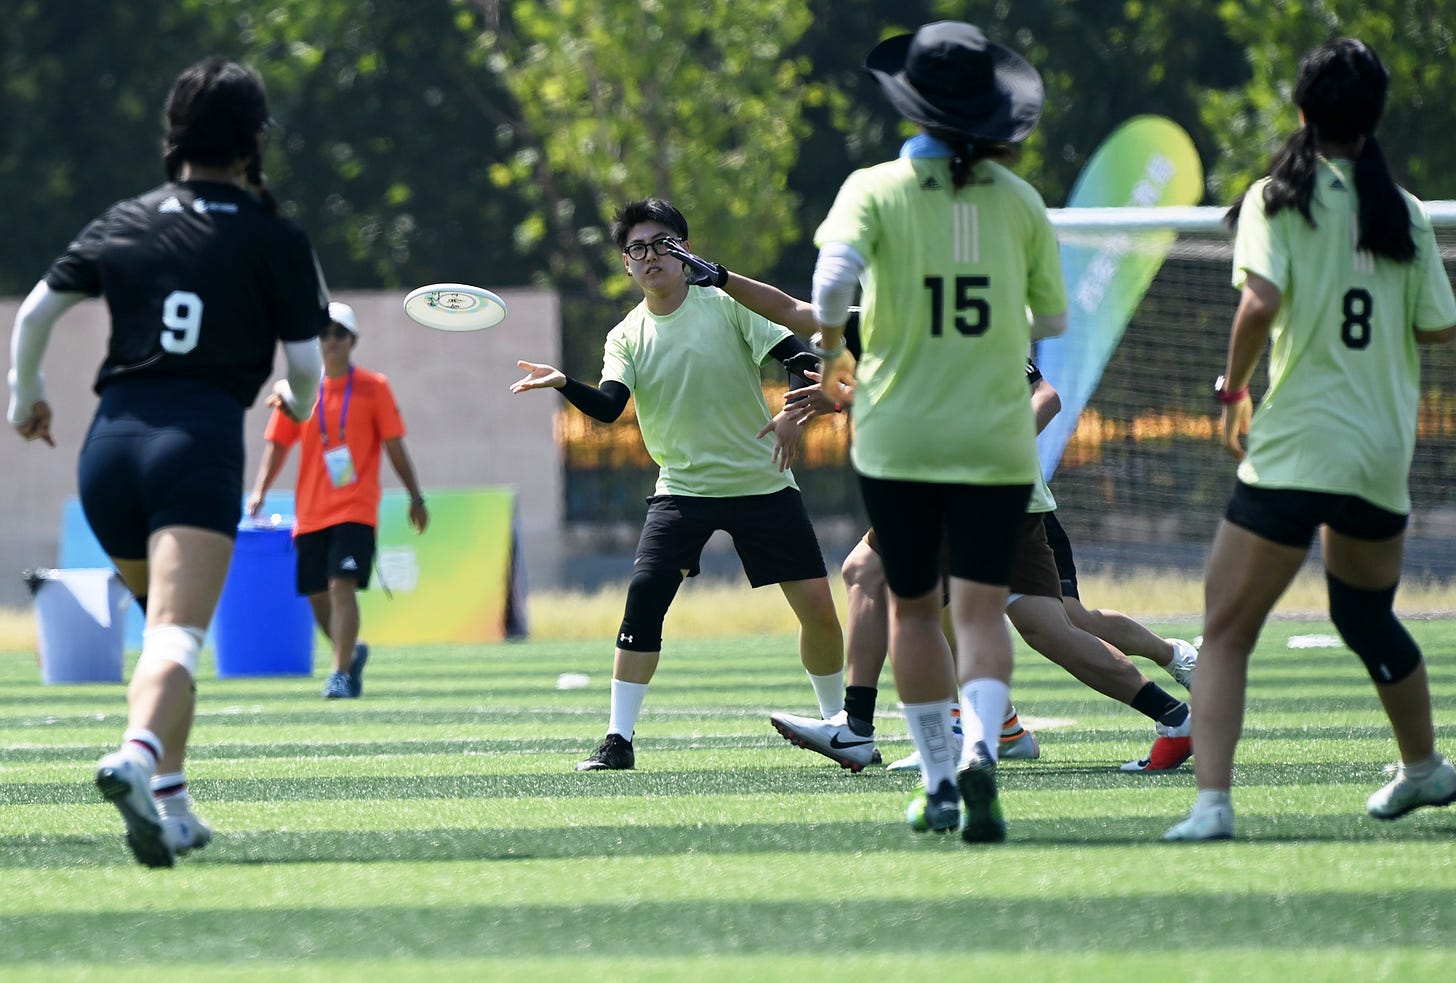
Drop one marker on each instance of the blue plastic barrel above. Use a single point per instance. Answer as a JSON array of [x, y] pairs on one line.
[[263, 627]]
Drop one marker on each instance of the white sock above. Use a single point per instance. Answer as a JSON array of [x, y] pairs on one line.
[[1421, 770], [983, 708], [829, 691], [143, 745], [1213, 798], [930, 727], [626, 707]]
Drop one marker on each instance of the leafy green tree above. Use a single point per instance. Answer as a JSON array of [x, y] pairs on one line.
[[1414, 40], [699, 103]]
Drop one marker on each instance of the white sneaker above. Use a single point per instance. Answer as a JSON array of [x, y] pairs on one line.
[[1405, 794], [1202, 825], [182, 828], [1185, 661], [911, 762], [127, 784], [832, 738]]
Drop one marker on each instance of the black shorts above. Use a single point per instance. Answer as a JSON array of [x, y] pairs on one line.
[[1034, 571], [980, 526], [1062, 550], [342, 552], [161, 452], [772, 534], [1290, 516]]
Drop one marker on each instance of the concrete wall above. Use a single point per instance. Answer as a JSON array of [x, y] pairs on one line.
[[465, 427]]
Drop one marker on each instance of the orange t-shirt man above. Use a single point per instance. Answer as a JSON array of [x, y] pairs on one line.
[[357, 410], [354, 423]]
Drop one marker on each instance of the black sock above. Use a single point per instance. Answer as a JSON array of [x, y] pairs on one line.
[[859, 707], [1153, 702]]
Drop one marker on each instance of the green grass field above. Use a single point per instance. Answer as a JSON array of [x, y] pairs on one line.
[[436, 829]]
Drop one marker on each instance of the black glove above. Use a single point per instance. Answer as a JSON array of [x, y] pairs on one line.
[[701, 273], [802, 362]]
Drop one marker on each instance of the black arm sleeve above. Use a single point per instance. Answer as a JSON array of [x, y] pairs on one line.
[[604, 404], [796, 355]]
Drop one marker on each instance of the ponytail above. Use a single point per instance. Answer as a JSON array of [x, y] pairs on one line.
[[966, 153], [1291, 176], [1385, 225]]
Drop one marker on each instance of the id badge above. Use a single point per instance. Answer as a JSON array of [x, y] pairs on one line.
[[340, 465]]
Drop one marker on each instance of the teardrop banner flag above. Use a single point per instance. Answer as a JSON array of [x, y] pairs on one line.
[[1146, 162]]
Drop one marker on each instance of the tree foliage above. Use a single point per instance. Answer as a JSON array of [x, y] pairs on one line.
[[1413, 38], [484, 140]]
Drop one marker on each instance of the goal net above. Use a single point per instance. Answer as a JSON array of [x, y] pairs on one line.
[[1143, 479]]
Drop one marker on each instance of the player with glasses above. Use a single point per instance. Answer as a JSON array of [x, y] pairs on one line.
[[691, 359]]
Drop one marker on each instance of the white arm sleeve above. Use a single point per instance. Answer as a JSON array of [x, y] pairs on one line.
[[38, 313], [305, 365], [836, 275], [1047, 325]]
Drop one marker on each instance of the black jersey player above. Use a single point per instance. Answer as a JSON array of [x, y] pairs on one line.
[[203, 279]]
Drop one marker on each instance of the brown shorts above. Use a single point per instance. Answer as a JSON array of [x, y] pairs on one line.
[[1034, 570]]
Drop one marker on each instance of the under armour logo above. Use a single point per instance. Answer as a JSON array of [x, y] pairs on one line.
[[348, 563], [624, 637]]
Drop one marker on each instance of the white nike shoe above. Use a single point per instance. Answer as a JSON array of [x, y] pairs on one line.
[[832, 738], [1185, 661]]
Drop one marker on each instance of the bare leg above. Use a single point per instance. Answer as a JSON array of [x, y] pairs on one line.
[[1043, 623], [182, 579], [1246, 576], [1117, 629], [343, 620], [821, 643], [1376, 566], [867, 624]]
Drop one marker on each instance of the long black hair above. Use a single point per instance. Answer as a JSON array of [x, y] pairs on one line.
[[213, 115], [1341, 89], [966, 152]]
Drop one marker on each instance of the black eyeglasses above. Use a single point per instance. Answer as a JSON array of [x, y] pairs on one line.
[[662, 247]]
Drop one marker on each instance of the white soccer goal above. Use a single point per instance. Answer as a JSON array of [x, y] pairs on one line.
[[1143, 480]]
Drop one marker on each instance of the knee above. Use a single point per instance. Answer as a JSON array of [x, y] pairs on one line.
[[649, 595], [1366, 621], [863, 571]]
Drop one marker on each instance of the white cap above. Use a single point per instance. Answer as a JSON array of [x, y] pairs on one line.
[[343, 314]]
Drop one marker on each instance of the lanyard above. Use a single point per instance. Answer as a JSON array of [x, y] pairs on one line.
[[343, 413]]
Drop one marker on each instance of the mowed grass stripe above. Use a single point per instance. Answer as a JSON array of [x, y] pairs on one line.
[[443, 825], [1070, 924]]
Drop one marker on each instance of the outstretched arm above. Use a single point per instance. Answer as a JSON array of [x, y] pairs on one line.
[[604, 404]]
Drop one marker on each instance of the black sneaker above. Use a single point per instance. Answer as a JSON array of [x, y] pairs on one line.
[[613, 754]]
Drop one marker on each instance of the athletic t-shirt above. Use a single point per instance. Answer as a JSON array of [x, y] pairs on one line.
[[200, 282], [372, 419], [945, 326], [694, 374], [1344, 372]]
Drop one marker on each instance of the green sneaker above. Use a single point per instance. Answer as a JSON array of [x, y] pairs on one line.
[[938, 811]]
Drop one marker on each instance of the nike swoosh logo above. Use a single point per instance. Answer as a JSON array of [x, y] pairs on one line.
[[836, 743]]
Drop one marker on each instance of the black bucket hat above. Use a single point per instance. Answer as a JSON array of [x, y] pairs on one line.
[[947, 76]]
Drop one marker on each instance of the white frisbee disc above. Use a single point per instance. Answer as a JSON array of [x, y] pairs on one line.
[[455, 307]]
